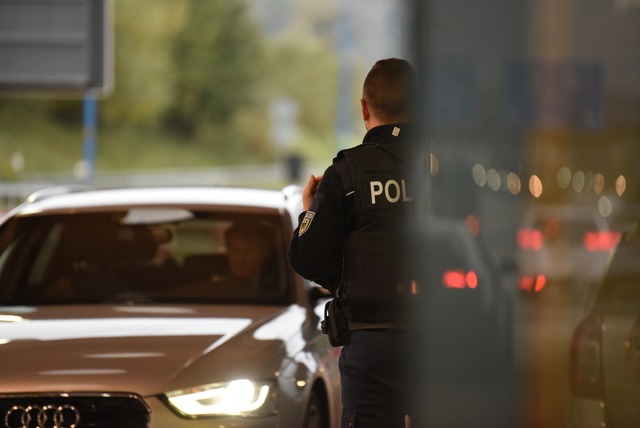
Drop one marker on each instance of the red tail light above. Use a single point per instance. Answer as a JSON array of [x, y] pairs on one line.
[[459, 278], [585, 364], [471, 279], [603, 241], [533, 283], [530, 239]]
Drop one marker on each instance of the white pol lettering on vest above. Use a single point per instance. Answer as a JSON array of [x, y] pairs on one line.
[[391, 189]]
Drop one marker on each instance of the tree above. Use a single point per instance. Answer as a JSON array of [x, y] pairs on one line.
[[144, 69], [218, 59]]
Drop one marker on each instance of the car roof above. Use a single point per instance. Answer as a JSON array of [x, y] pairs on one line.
[[71, 199], [568, 213]]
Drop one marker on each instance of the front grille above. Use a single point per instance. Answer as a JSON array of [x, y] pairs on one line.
[[91, 410]]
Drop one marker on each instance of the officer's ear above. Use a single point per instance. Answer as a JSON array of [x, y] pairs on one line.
[[365, 109]]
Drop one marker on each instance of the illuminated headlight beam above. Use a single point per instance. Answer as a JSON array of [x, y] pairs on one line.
[[239, 397]]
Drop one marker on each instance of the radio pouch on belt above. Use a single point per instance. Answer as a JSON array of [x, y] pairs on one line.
[[335, 323]]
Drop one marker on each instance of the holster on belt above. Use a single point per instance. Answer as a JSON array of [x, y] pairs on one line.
[[335, 323]]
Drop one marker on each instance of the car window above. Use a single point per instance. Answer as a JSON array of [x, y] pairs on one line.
[[144, 255], [569, 227]]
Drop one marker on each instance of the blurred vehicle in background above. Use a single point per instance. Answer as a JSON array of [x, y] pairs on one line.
[[563, 250], [119, 308], [605, 348], [465, 294], [462, 344]]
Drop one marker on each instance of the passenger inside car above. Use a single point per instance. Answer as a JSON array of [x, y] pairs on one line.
[[249, 247], [118, 257], [101, 259], [247, 269]]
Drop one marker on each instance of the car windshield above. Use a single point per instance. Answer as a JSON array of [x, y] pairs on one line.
[[144, 255]]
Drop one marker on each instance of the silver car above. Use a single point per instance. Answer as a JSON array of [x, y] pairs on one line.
[[132, 308], [563, 250], [605, 349]]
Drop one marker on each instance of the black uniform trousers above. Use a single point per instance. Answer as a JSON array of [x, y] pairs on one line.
[[372, 377]]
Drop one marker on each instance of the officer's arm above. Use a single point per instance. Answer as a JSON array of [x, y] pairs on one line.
[[315, 251]]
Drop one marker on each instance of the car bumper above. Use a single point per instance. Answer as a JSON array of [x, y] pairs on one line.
[[163, 417]]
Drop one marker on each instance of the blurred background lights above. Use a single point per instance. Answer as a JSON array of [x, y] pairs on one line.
[[473, 224], [513, 183], [535, 186], [433, 164], [493, 180], [598, 183], [605, 206], [621, 185], [83, 170], [17, 162], [479, 175], [588, 181], [577, 182], [564, 177]]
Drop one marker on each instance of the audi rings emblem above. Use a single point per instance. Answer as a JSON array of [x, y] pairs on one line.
[[47, 416]]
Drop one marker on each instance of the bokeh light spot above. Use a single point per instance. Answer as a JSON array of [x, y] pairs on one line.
[[605, 206], [493, 180], [434, 165], [479, 175], [513, 183], [598, 183], [578, 180], [535, 186], [621, 185], [564, 177]]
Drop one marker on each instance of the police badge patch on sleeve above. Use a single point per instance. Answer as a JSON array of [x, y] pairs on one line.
[[306, 222]]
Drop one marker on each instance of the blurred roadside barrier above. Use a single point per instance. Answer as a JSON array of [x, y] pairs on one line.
[[275, 175], [13, 193]]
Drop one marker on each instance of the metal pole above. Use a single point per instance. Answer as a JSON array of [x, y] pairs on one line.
[[90, 115]]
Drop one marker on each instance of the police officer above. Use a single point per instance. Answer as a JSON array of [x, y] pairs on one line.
[[349, 240]]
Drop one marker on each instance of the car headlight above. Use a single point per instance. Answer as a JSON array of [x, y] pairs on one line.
[[237, 398]]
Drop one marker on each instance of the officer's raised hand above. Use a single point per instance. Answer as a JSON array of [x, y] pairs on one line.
[[309, 191]]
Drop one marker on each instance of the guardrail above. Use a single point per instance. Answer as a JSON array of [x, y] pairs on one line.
[[13, 193], [275, 175]]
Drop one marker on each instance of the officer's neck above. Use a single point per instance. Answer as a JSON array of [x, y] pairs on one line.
[[373, 122]]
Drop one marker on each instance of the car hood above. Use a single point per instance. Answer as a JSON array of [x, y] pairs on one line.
[[140, 349]]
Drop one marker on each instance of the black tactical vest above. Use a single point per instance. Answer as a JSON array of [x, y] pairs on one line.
[[373, 264]]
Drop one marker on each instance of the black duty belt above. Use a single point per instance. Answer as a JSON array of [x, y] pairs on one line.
[[383, 327]]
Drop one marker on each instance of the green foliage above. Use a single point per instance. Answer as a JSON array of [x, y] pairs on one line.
[[201, 69], [140, 148], [25, 127], [302, 66], [218, 53], [309, 78], [144, 68]]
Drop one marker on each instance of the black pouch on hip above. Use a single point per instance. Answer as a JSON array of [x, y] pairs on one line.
[[335, 323]]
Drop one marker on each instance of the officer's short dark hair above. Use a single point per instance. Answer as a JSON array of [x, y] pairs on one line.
[[390, 89]]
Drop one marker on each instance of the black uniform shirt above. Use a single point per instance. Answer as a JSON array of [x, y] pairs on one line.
[[315, 251]]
